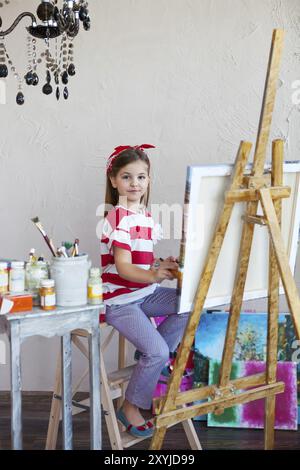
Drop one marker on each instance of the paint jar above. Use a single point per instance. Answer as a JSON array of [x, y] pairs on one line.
[[34, 273], [47, 294], [17, 277], [95, 287], [71, 279], [3, 278]]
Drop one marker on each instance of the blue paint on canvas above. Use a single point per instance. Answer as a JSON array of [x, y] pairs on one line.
[[250, 345]]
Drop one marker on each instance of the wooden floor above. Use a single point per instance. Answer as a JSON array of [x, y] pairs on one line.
[[36, 410]]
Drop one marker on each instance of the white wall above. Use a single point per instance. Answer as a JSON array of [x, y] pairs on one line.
[[185, 75]]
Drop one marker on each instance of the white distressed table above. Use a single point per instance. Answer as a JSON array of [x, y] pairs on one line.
[[59, 322]]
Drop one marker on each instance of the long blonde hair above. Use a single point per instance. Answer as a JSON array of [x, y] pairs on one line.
[[123, 159]]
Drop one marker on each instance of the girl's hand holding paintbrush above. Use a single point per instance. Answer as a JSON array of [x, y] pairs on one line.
[[169, 263], [170, 258], [160, 274], [165, 269], [174, 268]]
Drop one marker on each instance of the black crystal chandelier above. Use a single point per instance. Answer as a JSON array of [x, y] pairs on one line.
[[59, 25]]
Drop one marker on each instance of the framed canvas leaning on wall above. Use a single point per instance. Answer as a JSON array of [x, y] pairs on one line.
[[204, 195]]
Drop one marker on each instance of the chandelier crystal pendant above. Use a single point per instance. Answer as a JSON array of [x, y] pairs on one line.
[[59, 25]]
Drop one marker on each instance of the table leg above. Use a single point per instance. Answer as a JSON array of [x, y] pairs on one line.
[[66, 371], [95, 399], [16, 394]]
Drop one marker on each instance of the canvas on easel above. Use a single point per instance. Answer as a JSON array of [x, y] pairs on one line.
[[205, 187], [268, 191]]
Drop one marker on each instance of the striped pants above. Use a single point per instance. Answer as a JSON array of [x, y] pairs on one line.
[[155, 344]]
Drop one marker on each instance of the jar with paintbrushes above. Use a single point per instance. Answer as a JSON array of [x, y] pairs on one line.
[[69, 269]]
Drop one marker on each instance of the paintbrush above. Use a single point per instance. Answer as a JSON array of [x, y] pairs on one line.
[[49, 242], [76, 247], [68, 246], [32, 257], [62, 252], [75, 251]]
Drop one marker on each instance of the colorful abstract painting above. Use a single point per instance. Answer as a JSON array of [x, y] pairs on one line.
[[188, 377], [250, 345], [163, 381], [251, 415]]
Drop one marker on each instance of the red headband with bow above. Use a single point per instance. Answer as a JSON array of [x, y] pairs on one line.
[[120, 149]]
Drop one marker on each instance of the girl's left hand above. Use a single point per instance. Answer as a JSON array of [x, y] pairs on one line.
[[169, 263], [172, 258]]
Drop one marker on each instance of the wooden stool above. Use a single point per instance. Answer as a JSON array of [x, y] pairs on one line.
[[112, 388]]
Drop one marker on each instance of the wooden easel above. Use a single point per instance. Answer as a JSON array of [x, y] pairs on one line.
[[268, 190]]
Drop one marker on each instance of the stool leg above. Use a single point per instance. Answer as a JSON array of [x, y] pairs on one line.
[[55, 409], [121, 365], [109, 410], [106, 400]]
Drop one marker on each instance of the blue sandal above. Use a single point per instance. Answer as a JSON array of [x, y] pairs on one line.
[[145, 430]]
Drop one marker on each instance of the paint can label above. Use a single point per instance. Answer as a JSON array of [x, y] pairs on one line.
[[48, 300]]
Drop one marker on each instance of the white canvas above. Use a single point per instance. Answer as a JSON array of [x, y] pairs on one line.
[[207, 185]]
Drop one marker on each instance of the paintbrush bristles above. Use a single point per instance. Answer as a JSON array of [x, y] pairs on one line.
[[67, 245], [38, 224]]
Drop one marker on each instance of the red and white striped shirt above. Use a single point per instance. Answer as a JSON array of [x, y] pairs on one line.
[[137, 233]]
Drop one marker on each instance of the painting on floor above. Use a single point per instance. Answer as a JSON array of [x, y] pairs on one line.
[[251, 415], [250, 344]]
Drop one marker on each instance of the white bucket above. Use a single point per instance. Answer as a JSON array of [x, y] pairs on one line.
[[71, 278]]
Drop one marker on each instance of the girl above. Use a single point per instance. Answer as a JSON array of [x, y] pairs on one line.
[[131, 278]]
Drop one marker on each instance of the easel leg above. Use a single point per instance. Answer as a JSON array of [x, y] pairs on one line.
[[268, 102], [237, 296], [203, 286], [273, 303], [191, 434], [288, 281]]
